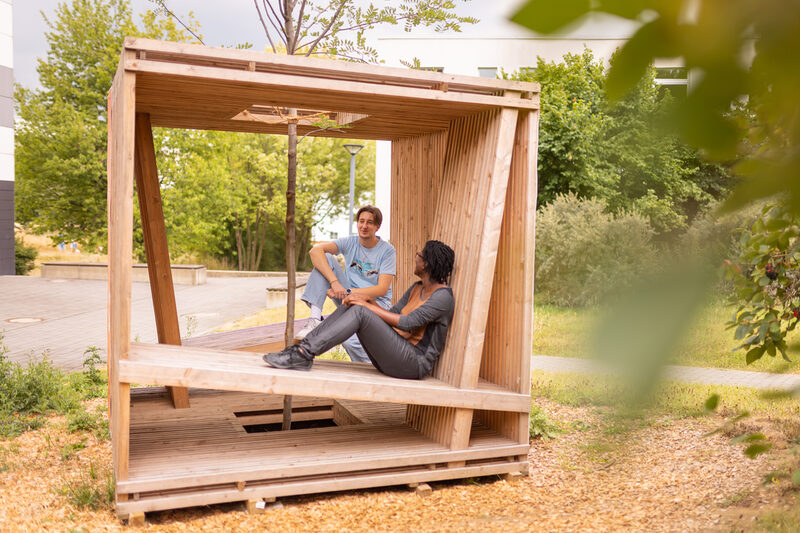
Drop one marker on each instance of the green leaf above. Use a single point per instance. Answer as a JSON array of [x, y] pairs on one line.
[[754, 354], [748, 437], [547, 17], [712, 402], [763, 281], [754, 450], [632, 61], [796, 477]]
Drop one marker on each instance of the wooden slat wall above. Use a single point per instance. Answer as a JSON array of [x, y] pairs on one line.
[[468, 217], [155, 245], [417, 165], [121, 127], [507, 350]]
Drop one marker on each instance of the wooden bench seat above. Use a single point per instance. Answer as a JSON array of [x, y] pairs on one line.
[[184, 366], [267, 338]]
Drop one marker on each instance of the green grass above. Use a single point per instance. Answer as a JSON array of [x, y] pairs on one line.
[[675, 399], [563, 332]]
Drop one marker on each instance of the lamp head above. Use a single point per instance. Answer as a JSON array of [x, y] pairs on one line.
[[353, 148]]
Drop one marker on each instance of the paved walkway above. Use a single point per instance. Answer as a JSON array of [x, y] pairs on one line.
[[74, 312], [685, 374]]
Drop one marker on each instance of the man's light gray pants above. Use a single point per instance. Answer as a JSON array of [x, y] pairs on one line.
[[315, 293]]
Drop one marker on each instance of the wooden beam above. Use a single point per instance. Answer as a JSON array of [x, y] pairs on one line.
[[121, 127], [345, 90], [155, 245], [324, 68], [509, 330]]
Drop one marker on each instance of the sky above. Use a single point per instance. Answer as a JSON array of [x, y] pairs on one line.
[[222, 23]]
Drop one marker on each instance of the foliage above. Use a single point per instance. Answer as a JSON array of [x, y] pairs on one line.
[[767, 282], [612, 151], [738, 49], [24, 257], [224, 193], [540, 426], [336, 28], [90, 491], [583, 253], [27, 392], [61, 135]]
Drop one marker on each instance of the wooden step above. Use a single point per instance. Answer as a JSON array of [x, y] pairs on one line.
[[161, 364]]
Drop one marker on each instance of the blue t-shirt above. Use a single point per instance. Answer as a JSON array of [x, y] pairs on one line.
[[363, 265]]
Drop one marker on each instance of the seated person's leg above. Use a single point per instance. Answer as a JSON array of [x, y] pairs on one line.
[[314, 294], [354, 349], [388, 351]]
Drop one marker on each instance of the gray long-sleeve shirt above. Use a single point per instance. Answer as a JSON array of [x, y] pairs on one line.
[[435, 314]]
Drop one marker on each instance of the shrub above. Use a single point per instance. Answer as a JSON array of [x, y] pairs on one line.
[[584, 253], [539, 426], [24, 257]]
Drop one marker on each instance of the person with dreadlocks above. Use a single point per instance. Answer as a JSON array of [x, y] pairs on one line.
[[404, 341]]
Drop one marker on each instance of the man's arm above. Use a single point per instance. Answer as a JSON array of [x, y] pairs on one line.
[[376, 291], [320, 262]]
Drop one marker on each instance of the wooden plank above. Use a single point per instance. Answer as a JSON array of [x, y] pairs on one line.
[[121, 127], [341, 89], [473, 194], [326, 67], [273, 456], [155, 244], [292, 488], [417, 166], [506, 355], [156, 364]]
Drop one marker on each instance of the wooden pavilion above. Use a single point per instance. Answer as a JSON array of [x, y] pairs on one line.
[[463, 172]]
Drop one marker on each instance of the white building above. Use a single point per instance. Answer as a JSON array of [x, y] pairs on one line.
[[6, 140]]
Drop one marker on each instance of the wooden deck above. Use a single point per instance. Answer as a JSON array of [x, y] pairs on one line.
[[181, 366], [203, 454]]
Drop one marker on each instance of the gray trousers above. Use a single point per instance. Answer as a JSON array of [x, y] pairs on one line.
[[387, 350], [315, 293]]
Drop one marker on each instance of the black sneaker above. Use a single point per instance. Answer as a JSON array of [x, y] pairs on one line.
[[290, 358]]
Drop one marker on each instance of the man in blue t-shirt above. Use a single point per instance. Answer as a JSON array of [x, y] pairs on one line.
[[370, 264]]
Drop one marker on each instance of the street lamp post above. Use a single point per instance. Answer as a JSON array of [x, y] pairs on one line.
[[353, 149]]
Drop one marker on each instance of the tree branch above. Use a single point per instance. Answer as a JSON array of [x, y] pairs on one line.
[[277, 19], [266, 31], [173, 15], [322, 34], [299, 23]]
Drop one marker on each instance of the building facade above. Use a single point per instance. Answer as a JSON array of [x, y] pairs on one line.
[[6, 140]]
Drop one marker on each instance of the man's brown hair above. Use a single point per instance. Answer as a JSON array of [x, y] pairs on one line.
[[376, 213]]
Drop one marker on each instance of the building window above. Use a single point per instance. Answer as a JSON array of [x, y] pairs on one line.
[[675, 80], [487, 72]]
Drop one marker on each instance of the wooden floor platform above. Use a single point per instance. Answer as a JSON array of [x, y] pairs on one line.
[[182, 366], [204, 454]]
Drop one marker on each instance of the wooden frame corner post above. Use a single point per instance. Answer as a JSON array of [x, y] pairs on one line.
[[121, 128]]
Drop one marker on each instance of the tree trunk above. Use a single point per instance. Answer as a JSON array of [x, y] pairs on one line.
[[291, 262]]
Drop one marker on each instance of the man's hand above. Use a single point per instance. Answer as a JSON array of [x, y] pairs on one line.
[[336, 290], [355, 298]]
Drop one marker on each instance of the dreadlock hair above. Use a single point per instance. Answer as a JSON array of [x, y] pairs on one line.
[[438, 259]]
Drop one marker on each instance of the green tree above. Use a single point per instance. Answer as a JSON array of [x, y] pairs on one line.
[[61, 135], [611, 151], [62, 128]]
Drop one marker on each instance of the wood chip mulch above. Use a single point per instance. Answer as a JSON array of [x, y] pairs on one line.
[[666, 476]]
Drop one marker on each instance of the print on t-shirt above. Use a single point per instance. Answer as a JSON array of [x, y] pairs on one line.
[[365, 268]]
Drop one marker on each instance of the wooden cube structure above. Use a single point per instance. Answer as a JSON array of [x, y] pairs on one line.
[[463, 172]]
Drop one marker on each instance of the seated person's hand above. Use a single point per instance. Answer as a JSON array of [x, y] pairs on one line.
[[336, 290], [355, 298]]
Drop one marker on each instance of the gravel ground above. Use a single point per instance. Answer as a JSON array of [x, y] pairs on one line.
[[666, 476]]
